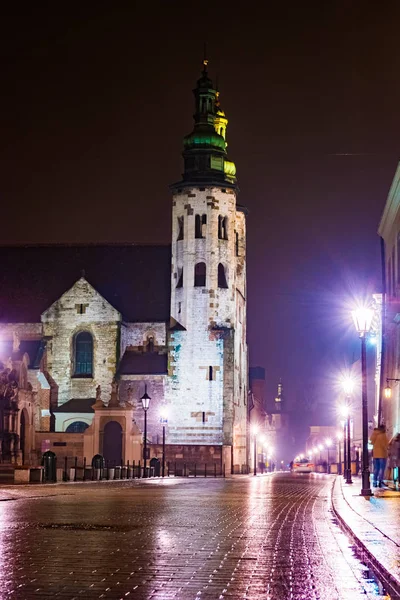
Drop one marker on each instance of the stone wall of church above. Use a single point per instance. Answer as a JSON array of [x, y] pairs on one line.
[[81, 309], [132, 387], [195, 387], [136, 335], [208, 368], [213, 251]]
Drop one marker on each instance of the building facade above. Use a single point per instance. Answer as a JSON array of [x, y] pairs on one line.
[[172, 319], [389, 310]]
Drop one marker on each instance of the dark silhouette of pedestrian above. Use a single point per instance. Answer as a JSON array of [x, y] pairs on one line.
[[380, 444]]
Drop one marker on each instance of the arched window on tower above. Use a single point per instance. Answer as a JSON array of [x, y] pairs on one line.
[[200, 275], [200, 226], [180, 278], [150, 344], [222, 282], [83, 355], [222, 228], [180, 229]]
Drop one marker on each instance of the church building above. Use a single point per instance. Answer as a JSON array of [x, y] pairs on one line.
[[85, 331]]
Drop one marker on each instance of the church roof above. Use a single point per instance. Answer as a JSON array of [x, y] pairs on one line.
[[146, 363], [76, 405], [134, 279]]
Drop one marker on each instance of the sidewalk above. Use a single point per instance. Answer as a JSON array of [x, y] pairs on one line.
[[373, 523]]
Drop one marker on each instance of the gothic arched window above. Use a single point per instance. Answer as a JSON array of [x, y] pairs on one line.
[[83, 355], [222, 228], [200, 224], [200, 275], [222, 282]]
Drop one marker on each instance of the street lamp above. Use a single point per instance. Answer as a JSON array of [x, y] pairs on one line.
[[339, 438], [388, 389], [328, 443], [255, 431], [145, 404], [347, 448], [362, 318], [163, 421]]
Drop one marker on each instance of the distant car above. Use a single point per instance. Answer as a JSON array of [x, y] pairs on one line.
[[303, 466]]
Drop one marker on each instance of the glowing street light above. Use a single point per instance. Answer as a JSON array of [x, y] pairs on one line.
[[328, 444], [163, 421], [362, 318], [348, 387], [255, 431], [145, 405]]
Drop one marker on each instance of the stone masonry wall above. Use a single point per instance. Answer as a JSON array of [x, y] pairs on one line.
[[62, 321], [137, 334], [208, 411]]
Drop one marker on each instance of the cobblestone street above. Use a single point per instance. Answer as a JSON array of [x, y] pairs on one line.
[[250, 537]]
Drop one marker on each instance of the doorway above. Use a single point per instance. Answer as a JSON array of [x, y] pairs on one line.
[[112, 443]]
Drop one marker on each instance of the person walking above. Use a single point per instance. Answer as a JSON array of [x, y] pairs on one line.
[[380, 444]]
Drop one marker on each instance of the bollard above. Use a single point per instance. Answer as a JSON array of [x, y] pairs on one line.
[[205, 470], [65, 468], [223, 470], [168, 468], [133, 470], [195, 470], [84, 468], [127, 469], [139, 470], [175, 470], [184, 469], [76, 468]]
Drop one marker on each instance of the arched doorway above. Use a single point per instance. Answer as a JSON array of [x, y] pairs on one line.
[[23, 428], [112, 443]]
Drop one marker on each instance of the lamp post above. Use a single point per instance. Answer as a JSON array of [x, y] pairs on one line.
[[255, 431], [328, 443], [339, 438], [362, 318], [163, 421], [343, 423], [145, 404], [348, 387]]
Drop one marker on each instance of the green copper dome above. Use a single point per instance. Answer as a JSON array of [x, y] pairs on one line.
[[205, 139]]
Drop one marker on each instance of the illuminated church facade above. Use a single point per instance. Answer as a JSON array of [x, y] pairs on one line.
[[85, 330]]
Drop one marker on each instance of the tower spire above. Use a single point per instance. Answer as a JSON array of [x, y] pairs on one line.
[[204, 151], [205, 59]]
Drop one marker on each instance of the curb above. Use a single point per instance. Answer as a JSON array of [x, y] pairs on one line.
[[391, 584]]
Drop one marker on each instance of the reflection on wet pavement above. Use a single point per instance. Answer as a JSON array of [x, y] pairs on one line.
[[271, 537]]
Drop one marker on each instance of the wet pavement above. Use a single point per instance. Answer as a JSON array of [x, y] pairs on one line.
[[269, 537], [373, 521]]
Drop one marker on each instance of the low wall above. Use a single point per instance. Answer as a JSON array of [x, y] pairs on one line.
[[61, 443]]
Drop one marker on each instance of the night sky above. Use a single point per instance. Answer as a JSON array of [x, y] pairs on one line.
[[95, 102]]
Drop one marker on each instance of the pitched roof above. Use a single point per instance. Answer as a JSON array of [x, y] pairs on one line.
[[133, 279], [146, 363], [76, 405]]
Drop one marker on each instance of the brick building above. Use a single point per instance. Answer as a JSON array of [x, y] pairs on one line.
[[101, 322]]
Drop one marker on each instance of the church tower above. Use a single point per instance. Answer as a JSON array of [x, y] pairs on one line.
[[208, 350]]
